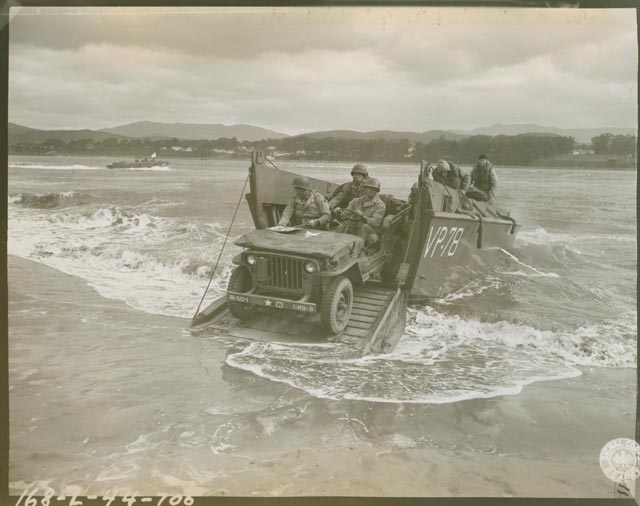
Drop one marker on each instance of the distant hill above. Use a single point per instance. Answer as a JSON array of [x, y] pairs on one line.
[[193, 131], [387, 135], [583, 135], [19, 133]]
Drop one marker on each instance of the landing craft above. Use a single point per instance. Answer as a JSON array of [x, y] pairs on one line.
[[139, 163], [290, 283]]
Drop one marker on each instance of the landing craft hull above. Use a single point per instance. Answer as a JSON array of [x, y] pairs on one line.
[[450, 256], [452, 240], [440, 241]]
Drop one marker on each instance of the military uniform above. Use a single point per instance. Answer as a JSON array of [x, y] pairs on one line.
[[373, 213], [299, 210], [345, 194], [455, 177], [483, 178]]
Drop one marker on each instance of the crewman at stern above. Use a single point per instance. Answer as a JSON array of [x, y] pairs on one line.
[[483, 181], [370, 209], [307, 207], [349, 191]]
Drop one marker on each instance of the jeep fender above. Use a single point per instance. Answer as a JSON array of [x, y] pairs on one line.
[[353, 272], [237, 260]]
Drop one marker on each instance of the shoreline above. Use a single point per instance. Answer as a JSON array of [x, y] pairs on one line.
[[108, 378]]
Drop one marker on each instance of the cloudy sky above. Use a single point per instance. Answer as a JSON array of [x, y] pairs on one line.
[[306, 69]]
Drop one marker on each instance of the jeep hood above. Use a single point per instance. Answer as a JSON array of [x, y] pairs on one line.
[[304, 242]]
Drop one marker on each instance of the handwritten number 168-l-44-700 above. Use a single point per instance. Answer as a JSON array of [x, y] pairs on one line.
[[31, 497]]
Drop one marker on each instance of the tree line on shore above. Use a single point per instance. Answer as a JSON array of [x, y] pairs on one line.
[[522, 149]]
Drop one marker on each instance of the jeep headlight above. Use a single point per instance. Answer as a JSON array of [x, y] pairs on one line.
[[251, 259], [310, 267]]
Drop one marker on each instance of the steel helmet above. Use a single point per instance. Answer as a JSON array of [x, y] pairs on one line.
[[302, 182], [372, 182], [359, 168], [444, 165]]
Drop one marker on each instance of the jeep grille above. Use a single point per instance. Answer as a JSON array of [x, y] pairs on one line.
[[280, 272]]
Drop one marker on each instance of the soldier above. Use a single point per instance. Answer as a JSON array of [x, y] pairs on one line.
[[370, 209], [483, 181], [348, 191], [307, 207], [449, 174]]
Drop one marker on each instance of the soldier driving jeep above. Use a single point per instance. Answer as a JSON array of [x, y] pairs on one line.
[[364, 214]]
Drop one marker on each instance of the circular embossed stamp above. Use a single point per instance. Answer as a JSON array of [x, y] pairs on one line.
[[620, 460]]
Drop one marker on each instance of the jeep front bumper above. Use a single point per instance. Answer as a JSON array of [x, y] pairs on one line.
[[272, 302]]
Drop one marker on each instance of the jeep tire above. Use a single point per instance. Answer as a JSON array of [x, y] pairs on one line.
[[336, 305], [240, 282]]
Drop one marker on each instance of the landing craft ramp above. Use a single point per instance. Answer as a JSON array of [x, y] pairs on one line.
[[376, 324]]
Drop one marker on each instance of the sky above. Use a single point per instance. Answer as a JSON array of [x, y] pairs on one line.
[[296, 70]]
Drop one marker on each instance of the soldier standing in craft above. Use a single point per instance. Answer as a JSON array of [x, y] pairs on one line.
[[307, 207], [483, 181], [349, 191], [370, 210]]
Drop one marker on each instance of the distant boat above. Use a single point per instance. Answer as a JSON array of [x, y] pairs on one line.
[[139, 163]]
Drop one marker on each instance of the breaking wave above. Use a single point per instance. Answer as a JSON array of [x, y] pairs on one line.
[[443, 358], [51, 200], [539, 236], [54, 167], [127, 255]]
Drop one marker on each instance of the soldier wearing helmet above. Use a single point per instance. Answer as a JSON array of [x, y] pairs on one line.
[[348, 191], [307, 207], [370, 209], [449, 174]]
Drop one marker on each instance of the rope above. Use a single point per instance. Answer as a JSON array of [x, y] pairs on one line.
[[223, 245], [272, 163]]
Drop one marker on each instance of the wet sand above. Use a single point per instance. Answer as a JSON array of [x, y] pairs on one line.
[[105, 398]]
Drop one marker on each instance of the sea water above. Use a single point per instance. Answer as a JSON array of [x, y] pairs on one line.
[[111, 393], [564, 296]]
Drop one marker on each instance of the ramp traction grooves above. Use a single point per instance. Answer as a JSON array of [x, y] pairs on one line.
[[368, 305]]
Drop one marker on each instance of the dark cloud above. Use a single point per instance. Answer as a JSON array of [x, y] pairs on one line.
[[310, 69], [229, 33]]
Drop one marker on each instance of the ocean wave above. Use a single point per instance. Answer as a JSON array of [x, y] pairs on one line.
[[532, 271], [53, 167], [103, 217], [539, 236], [442, 358], [51, 200], [611, 343], [155, 264], [472, 289]]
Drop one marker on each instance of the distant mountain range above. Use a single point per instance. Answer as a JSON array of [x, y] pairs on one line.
[[19, 133], [194, 131]]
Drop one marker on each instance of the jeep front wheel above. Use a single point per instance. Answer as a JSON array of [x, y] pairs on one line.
[[337, 301], [240, 282]]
